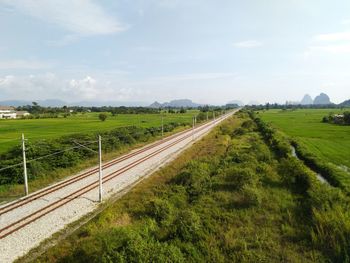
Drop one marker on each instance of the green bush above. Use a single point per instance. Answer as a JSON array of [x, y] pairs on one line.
[[295, 175], [161, 210], [196, 179], [241, 177], [250, 196], [331, 232], [188, 226]]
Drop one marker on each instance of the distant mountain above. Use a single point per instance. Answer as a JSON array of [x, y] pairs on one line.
[[345, 103], [155, 105], [14, 103], [60, 103], [185, 103], [322, 99], [45, 103], [307, 100], [108, 103], [237, 102]]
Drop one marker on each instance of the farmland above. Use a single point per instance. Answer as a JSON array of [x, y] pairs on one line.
[[34, 129], [328, 142]]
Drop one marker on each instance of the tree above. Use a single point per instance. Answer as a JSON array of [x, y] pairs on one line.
[[114, 112], [102, 116], [347, 117]]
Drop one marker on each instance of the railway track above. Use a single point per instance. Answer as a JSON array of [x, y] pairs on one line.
[[33, 216], [20, 202]]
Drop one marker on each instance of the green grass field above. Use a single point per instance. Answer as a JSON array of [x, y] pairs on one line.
[[11, 130], [329, 142]]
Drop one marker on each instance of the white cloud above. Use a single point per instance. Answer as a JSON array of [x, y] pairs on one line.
[[45, 86], [334, 49], [345, 22], [339, 36], [24, 64], [85, 88], [333, 43], [248, 44], [194, 76], [81, 17]]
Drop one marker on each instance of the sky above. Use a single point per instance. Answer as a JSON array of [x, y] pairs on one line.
[[210, 51]]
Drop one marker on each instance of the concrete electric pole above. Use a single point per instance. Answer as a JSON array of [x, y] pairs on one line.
[[162, 126], [100, 169], [25, 166], [192, 128]]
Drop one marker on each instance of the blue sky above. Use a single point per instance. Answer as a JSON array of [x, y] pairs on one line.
[[146, 50]]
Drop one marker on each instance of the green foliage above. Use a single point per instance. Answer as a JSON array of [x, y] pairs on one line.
[[161, 210], [341, 119], [241, 177], [273, 138], [188, 226], [251, 196], [295, 174], [196, 179], [102, 116]]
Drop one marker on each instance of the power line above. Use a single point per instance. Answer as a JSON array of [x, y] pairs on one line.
[[48, 155]]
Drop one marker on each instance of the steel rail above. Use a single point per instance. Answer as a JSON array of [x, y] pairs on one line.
[[20, 202], [87, 188]]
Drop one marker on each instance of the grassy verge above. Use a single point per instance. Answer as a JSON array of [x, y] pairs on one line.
[[229, 198]]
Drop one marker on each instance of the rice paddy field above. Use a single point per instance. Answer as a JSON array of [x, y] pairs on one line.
[[34, 129], [329, 142]]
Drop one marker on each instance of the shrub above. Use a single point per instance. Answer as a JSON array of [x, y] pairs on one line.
[[250, 196], [188, 226], [249, 125], [196, 178], [331, 232], [239, 132], [161, 210], [102, 116], [241, 177], [295, 175]]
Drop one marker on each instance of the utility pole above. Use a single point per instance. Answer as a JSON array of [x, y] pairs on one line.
[[195, 120], [162, 126], [207, 115], [192, 128], [25, 166], [100, 169], [214, 115]]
